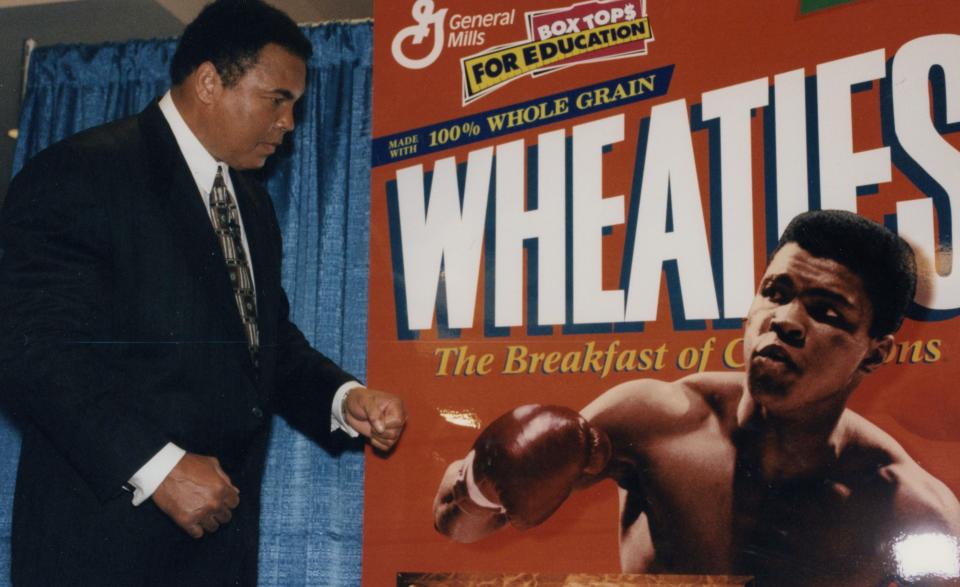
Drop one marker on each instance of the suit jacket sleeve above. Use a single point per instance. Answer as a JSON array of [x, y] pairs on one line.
[[306, 380], [56, 364]]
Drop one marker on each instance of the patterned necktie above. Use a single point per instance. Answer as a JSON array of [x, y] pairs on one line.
[[226, 223]]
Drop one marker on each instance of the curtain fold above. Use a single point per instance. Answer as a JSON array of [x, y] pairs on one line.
[[311, 522]]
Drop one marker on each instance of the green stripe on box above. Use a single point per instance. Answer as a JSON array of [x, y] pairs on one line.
[[807, 6]]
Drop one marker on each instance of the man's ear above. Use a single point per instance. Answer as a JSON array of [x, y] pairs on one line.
[[207, 83], [880, 347]]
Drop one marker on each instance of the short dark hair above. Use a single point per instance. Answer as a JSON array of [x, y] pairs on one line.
[[230, 34], [883, 261]]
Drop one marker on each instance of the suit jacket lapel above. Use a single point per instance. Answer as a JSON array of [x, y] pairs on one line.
[[174, 185]]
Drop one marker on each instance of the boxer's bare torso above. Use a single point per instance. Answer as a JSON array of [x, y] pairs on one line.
[[703, 489]]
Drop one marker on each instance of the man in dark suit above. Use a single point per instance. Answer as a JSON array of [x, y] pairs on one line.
[[145, 334]]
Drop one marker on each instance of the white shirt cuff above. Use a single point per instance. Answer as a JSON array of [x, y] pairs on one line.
[[146, 480], [337, 419]]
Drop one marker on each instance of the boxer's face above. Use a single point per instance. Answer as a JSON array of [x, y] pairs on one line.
[[806, 341], [252, 116]]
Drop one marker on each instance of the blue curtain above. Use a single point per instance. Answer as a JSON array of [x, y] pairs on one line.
[[312, 501]]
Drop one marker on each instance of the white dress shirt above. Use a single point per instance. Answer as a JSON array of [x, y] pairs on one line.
[[203, 166]]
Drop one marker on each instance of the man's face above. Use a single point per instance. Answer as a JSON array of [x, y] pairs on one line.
[[252, 116], [806, 340]]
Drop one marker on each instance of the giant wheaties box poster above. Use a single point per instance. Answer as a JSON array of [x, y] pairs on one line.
[[669, 289]]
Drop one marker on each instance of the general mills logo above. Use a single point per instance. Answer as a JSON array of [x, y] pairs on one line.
[[426, 20]]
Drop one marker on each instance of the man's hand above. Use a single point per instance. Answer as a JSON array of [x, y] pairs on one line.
[[197, 495], [378, 415]]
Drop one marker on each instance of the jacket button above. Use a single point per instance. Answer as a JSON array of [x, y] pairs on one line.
[[256, 411]]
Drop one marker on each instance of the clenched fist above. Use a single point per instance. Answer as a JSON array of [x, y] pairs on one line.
[[197, 495], [378, 415]]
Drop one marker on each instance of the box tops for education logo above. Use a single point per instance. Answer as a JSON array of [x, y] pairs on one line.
[[558, 38]]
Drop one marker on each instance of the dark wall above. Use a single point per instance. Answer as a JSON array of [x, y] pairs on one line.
[[87, 21]]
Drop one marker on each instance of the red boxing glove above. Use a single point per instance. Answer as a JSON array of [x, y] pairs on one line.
[[529, 460]]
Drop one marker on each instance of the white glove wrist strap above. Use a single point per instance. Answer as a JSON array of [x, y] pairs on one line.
[[477, 496]]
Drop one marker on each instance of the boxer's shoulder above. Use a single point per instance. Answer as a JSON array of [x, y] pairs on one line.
[[650, 408], [917, 501], [881, 469], [864, 446]]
